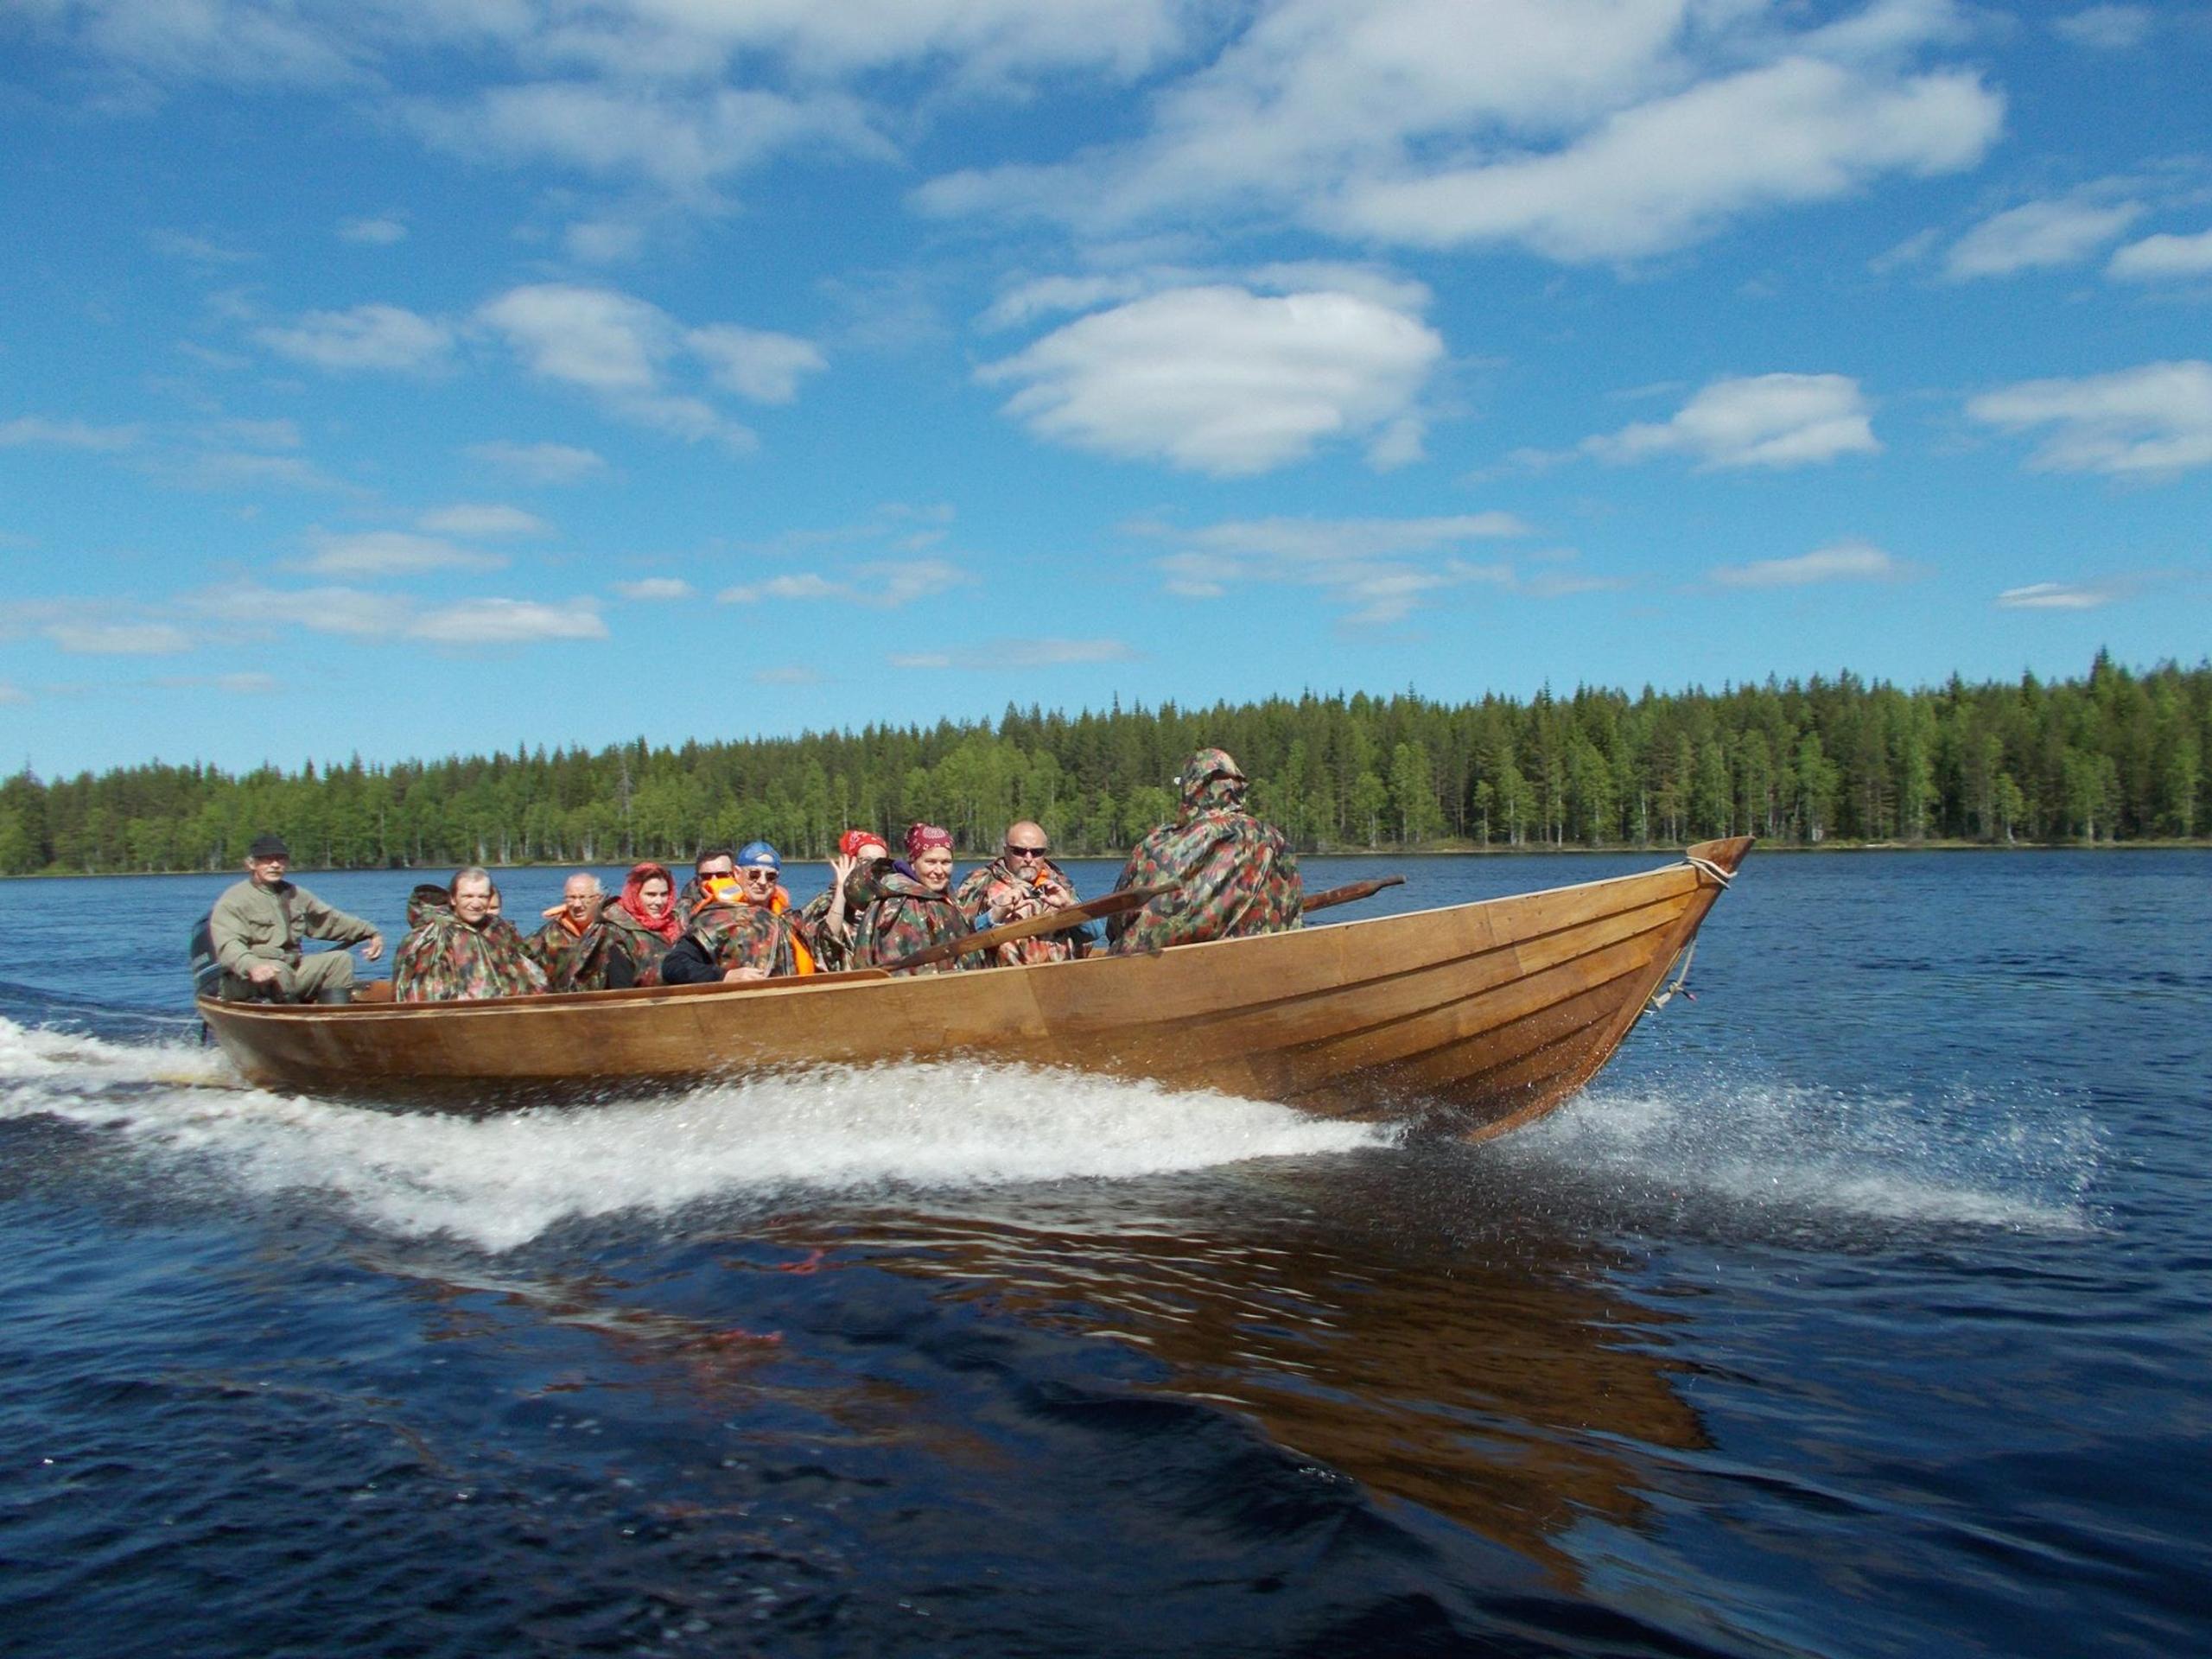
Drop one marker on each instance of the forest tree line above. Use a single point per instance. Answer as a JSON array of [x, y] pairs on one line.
[[2116, 755]]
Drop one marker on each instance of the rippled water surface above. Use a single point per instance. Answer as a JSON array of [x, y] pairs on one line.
[[1863, 1306]]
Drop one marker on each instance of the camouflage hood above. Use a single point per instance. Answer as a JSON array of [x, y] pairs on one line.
[[427, 902], [1211, 781]]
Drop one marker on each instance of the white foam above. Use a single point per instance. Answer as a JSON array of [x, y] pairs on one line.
[[499, 1181], [2025, 1162]]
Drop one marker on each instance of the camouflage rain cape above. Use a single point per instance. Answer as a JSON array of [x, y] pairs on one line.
[[746, 935], [572, 962], [1234, 874], [833, 955], [906, 917], [442, 959], [630, 937], [994, 890]]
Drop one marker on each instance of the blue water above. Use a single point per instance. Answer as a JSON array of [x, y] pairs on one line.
[[1861, 1307]]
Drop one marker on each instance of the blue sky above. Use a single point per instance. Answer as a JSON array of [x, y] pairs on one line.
[[403, 376]]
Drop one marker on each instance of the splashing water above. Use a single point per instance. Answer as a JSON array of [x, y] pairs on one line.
[[499, 1181], [1750, 1146]]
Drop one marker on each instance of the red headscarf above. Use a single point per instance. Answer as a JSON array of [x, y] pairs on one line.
[[632, 901], [852, 840], [922, 836]]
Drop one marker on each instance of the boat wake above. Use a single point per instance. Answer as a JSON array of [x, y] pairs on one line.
[[498, 1182], [1809, 1158]]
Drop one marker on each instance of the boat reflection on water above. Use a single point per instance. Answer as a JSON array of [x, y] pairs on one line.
[[1479, 1366]]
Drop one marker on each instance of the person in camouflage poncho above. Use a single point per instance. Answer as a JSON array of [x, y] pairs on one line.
[[1233, 875], [454, 953], [574, 948], [716, 864], [912, 908], [825, 926], [730, 939], [1020, 882], [640, 925]]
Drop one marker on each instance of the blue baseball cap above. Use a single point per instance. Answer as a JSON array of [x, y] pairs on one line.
[[755, 854]]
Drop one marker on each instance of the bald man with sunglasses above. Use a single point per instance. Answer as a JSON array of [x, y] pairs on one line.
[[1020, 882]]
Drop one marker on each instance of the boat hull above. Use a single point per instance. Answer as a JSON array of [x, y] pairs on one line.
[[1484, 1015]]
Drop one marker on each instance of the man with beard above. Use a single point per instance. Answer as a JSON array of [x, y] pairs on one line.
[[1020, 882]]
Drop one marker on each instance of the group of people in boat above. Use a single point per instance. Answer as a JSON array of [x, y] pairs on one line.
[[1224, 873]]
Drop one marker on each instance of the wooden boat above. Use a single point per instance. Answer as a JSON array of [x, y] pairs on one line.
[[1483, 1015]]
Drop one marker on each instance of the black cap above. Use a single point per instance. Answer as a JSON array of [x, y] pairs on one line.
[[269, 847]]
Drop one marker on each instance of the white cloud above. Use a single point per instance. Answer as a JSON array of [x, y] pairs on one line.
[[1763, 420], [614, 346], [2106, 28], [2147, 421], [2158, 258], [999, 654], [507, 622], [754, 363], [378, 553], [2055, 596], [1218, 379], [883, 585], [196, 249], [2039, 234], [655, 588], [12, 695], [540, 463], [1843, 562], [482, 518], [347, 611], [1606, 131], [27, 429], [237, 685], [1376, 571], [378, 232], [387, 337], [119, 639]]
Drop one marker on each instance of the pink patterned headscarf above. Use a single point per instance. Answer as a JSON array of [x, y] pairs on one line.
[[922, 836]]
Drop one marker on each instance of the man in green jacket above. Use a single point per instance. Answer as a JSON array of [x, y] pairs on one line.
[[256, 926]]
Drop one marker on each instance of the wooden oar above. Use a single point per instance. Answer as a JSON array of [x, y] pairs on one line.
[[1052, 921], [1350, 891]]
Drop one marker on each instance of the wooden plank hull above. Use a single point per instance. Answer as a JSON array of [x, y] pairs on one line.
[[1488, 1014]]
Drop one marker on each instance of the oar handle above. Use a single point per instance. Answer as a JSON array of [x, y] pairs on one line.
[[1051, 921], [1350, 891]]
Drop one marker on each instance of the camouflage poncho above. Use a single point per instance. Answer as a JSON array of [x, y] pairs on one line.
[[997, 888], [906, 917], [625, 936], [833, 955], [442, 959], [572, 962], [1235, 874], [745, 936]]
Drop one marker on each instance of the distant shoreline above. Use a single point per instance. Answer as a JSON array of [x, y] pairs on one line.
[[1540, 849]]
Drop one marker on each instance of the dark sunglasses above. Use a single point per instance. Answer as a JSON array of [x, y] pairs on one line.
[[1012, 851]]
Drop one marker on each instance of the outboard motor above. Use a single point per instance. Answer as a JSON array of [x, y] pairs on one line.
[[207, 972]]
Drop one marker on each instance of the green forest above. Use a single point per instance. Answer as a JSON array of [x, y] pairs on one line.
[[2114, 756]]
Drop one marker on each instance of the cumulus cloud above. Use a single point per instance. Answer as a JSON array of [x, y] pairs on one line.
[[883, 585], [2158, 258], [655, 589], [2056, 596], [119, 639], [1219, 379], [754, 363], [1608, 132], [378, 232], [539, 463], [27, 431], [347, 611], [2106, 28], [2149, 421], [1843, 562], [2038, 234], [1374, 570], [507, 622], [386, 337], [1763, 420], [378, 553], [482, 518]]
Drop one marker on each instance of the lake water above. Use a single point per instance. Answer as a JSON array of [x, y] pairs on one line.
[[1863, 1306]]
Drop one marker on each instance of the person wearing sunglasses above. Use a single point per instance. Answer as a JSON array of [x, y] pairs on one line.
[[1232, 874], [741, 932], [1020, 882], [714, 864]]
